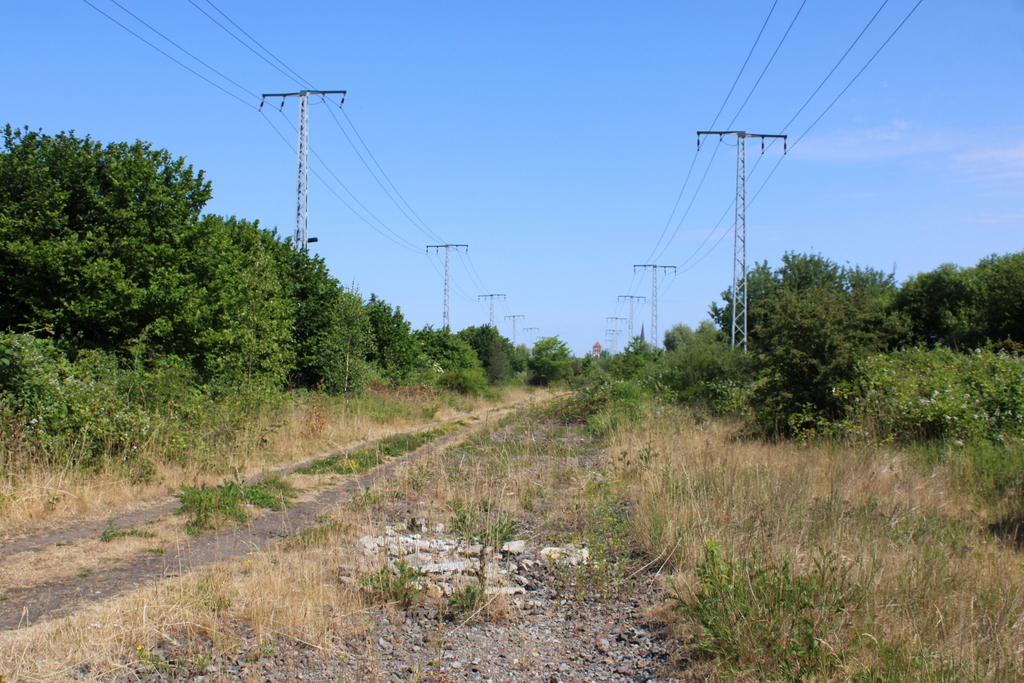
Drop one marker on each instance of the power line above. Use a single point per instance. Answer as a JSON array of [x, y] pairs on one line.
[[770, 60], [686, 180], [179, 63], [300, 79], [243, 43]]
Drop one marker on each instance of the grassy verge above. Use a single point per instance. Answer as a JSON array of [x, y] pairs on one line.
[[354, 462], [824, 562]]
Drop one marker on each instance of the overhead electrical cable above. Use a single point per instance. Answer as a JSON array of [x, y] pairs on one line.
[[770, 60], [340, 198], [299, 79], [843, 91], [686, 180], [377, 164], [244, 44], [802, 107], [404, 242], [429, 234], [141, 21], [176, 61]]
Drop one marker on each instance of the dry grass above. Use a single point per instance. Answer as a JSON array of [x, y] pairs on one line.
[[291, 592], [232, 607], [33, 498], [943, 600]]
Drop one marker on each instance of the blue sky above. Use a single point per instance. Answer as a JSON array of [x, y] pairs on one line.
[[554, 138]]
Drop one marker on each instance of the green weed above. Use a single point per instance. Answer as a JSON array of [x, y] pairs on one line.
[[759, 615], [114, 531], [466, 600], [208, 506], [394, 584], [361, 460]]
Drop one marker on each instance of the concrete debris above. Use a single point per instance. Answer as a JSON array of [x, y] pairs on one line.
[[446, 564], [571, 554]]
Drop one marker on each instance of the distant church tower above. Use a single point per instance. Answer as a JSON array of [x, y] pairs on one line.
[[596, 352]]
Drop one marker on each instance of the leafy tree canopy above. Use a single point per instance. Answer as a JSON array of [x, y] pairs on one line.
[[550, 362], [499, 357]]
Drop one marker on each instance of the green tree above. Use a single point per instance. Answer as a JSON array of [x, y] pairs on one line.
[[391, 346], [331, 328], [102, 247], [1000, 281], [550, 361], [94, 239], [499, 357], [940, 307]]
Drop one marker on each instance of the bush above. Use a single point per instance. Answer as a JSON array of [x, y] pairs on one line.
[[80, 414], [762, 616], [938, 394]]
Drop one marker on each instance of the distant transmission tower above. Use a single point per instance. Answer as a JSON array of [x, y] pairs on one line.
[[302, 240], [530, 331], [514, 326], [654, 298], [631, 298], [739, 248], [447, 272], [615, 337], [492, 297]]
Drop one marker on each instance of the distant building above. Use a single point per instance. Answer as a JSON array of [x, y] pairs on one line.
[[596, 352]]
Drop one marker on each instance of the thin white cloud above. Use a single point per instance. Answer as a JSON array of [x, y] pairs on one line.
[[1000, 167], [995, 219], [896, 139]]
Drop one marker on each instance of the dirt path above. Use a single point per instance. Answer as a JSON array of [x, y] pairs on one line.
[[34, 601]]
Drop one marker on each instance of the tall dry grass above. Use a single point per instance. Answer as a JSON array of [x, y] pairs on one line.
[[289, 593], [33, 496], [939, 598]]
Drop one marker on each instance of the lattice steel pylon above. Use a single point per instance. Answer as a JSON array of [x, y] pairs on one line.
[[654, 298], [301, 240], [492, 297], [447, 273], [739, 249], [513, 317], [631, 297]]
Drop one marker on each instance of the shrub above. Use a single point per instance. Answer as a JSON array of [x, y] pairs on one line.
[[936, 394], [761, 615]]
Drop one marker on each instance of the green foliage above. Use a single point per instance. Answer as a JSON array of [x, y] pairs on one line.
[[208, 506], [475, 523], [467, 599], [394, 584], [550, 361], [365, 458], [964, 308], [331, 327], [496, 352], [93, 239], [390, 347], [812, 330], [763, 617], [440, 351], [114, 531], [939, 307], [81, 414], [939, 394]]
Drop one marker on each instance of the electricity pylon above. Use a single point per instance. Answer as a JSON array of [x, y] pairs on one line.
[[654, 298], [615, 337], [739, 247], [612, 337], [514, 326], [631, 297], [530, 331], [447, 272], [301, 240], [492, 297]]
